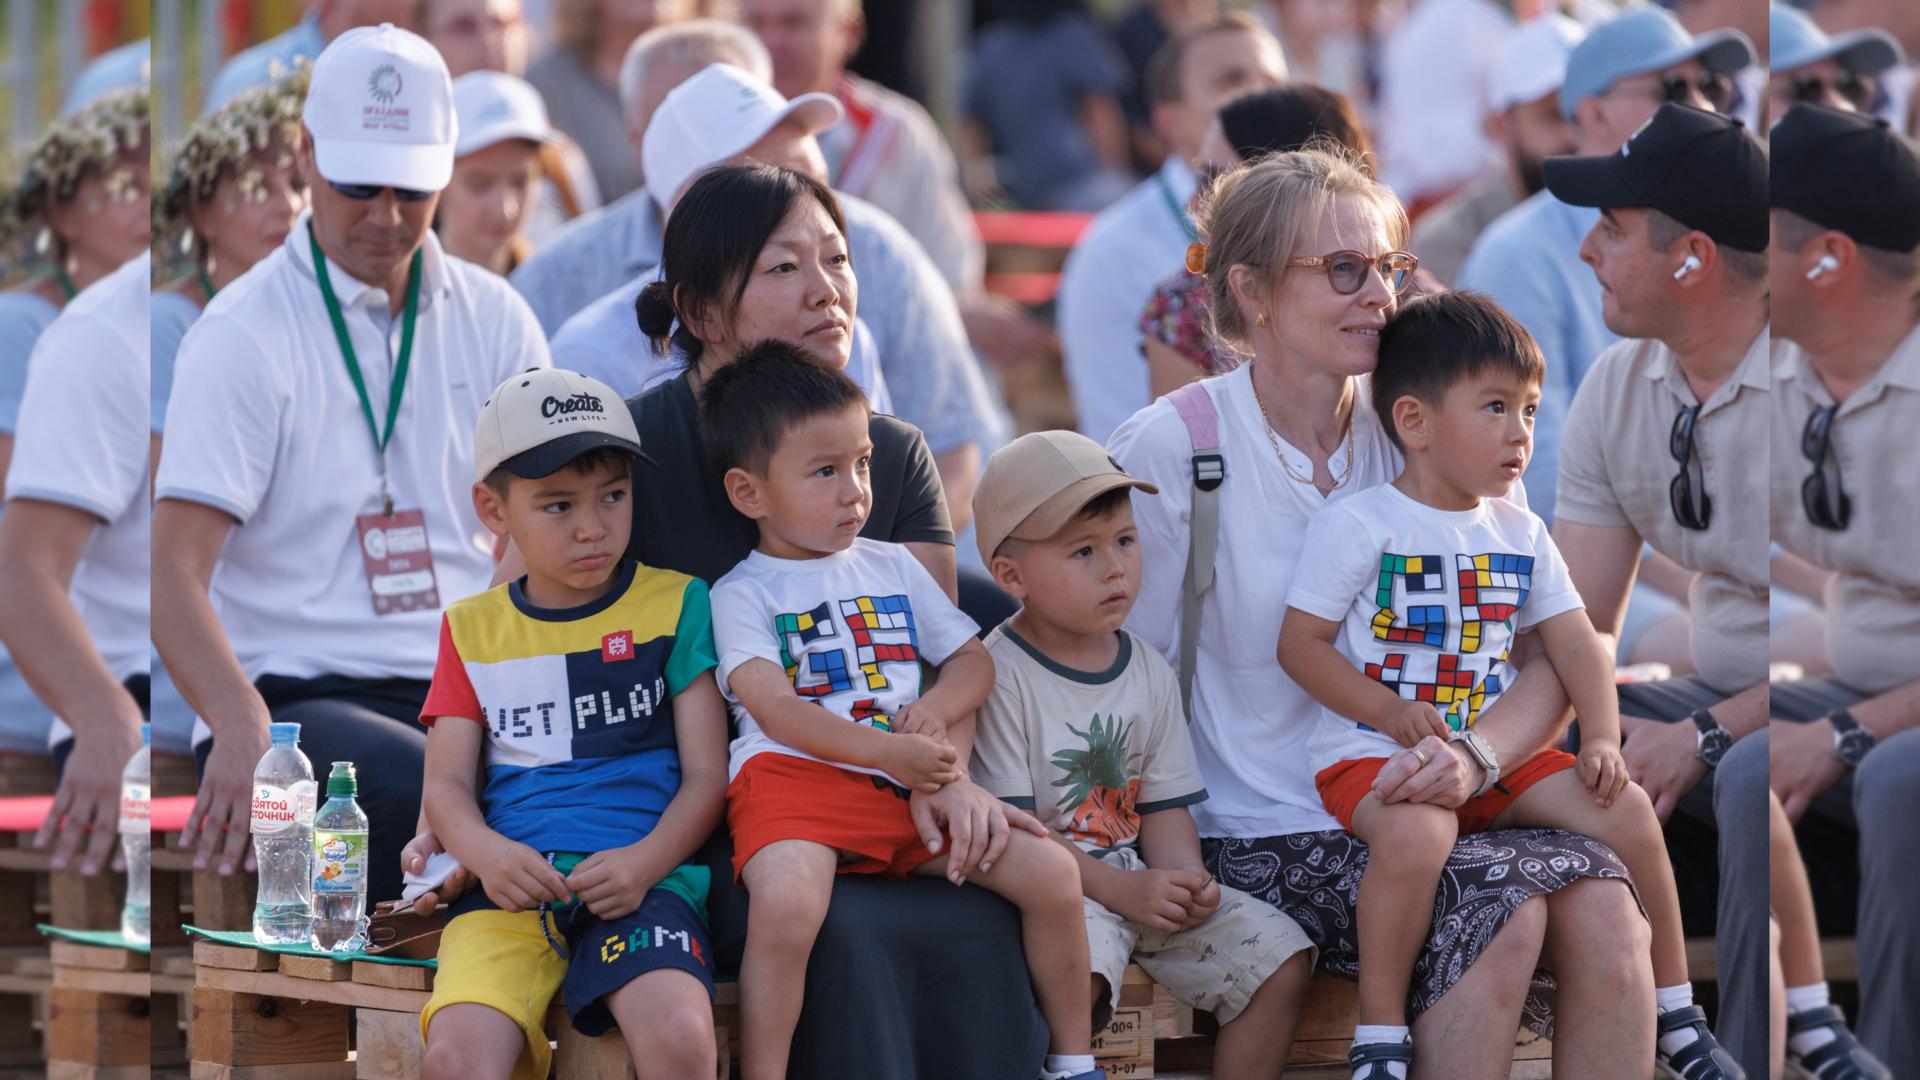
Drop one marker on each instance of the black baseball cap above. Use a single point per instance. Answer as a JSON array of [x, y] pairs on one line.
[[1850, 173], [1700, 168]]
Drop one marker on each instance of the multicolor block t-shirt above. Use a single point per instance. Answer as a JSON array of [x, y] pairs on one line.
[[577, 703], [1428, 601], [850, 629]]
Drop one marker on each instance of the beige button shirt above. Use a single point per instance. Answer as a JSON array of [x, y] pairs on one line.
[[1873, 601], [1616, 467]]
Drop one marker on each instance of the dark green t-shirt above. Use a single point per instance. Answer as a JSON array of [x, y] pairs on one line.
[[681, 517]]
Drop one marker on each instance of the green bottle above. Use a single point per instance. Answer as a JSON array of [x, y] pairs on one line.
[[340, 866]]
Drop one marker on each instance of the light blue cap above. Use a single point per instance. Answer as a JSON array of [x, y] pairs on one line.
[[1642, 39], [1795, 41]]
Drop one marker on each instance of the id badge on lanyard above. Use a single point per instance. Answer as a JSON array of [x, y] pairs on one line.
[[393, 543]]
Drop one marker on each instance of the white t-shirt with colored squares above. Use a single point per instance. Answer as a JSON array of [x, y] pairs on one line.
[[851, 631], [1428, 603]]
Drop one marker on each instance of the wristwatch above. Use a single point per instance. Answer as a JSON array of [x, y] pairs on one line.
[[1711, 741], [1850, 741], [1482, 752]]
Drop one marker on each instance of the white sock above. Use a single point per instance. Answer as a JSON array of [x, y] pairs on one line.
[[1667, 999], [1058, 1066], [1800, 999], [1383, 1033]]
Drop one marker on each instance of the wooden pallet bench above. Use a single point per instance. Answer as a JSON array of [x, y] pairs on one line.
[[99, 1016]]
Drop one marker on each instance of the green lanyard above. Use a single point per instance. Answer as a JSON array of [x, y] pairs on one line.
[[66, 283], [353, 363], [1173, 204], [206, 283]]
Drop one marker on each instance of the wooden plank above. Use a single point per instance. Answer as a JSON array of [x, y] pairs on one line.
[[576, 1057], [134, 984], [320, 968], [305, 1070], [96, 1029], [87, 903], [176, 960], [168, 1047], [392, 976], [17, 917], [1123, 1037], [19, 1042], [1136, 987], [223, 903], [387, 1045], [34, 959], [1330, 1010], [166, 918], [72, 954], [274, 984], [74, 1070], [213, 954], [257, 1029]]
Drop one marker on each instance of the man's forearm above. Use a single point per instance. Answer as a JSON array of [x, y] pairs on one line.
[[959, 470], [1532, 712], [50, 644], [1890, 713], [198, 656], [1745, 712]]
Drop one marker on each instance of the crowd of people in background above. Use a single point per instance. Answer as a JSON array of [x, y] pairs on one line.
[[1702, 216]]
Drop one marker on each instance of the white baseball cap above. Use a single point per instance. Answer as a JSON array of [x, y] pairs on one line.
[[537, 421], [493, 106], [1532, 61], [380, 109], [713, 117]]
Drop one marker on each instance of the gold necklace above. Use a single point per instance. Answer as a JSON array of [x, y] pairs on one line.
[[1274, 441]]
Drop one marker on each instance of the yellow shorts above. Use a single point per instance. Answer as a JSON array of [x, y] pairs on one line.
[[501, 960]]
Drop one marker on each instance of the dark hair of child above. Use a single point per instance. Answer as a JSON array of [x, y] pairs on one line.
[[748, 406], [1434, 342]]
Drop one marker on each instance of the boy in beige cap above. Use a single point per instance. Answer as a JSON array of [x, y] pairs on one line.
[[1084, 730]]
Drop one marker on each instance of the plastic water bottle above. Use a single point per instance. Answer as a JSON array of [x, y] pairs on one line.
[[340, 866], [283, 799], [136, 815]]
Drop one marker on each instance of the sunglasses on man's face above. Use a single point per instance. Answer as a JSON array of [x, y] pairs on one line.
[[363, 192], [1715, 90], [1347, 270], [1687, 496], [1850, 88], [1826, 505]]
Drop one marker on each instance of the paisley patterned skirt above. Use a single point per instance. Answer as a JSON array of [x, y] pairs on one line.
[[1315, 878]]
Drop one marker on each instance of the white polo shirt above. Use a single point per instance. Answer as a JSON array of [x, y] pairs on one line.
[[264, 423], [82, 442]]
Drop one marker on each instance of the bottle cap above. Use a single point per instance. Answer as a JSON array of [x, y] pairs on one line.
[[283, 734], [341, 781]]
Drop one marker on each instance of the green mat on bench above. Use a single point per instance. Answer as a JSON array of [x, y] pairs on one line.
[[244, 939], [99, 939]]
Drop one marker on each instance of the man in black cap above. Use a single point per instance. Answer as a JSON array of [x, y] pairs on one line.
[[1659, 448], [1846, 404]]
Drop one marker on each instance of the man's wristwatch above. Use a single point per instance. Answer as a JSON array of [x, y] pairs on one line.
[[1850, 741], [1482, 752], [1711, 741]]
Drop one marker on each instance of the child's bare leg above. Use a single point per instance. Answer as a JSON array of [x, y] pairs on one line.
[[1408, 845], [1256, 1042], [1632, 830], [667, 1020], [789, 883], [1041, 879], [1792, 899], [470, 1041]]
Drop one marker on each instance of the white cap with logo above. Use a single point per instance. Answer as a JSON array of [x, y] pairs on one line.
[[1532, 61], [493, 106], [537, 421], [715, 116], [380, 109]]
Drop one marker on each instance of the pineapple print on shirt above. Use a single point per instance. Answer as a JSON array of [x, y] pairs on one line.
[[1102, 784]]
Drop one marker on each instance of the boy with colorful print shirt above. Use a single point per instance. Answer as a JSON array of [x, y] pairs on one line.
[[1084, 729], [586, 689]]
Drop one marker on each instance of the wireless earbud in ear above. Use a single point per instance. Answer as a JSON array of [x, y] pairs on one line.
[[1827, 265], [1688, 267]]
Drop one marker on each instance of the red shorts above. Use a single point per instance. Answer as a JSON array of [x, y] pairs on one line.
[[1343, 784], [779, 797]]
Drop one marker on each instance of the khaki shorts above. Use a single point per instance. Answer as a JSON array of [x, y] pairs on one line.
[[1216, 966]]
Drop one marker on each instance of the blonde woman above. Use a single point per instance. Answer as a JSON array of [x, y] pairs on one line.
[[580, 79], [1304, 266]]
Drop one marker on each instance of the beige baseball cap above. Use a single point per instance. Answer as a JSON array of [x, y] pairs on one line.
[[1035, 484], [537, 421]]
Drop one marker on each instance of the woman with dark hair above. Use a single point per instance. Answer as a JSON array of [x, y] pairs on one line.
[[1175, 339], [752, 253]]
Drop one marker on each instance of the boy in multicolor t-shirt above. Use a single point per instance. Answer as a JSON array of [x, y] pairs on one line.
[[1084, 729], [586, 688]]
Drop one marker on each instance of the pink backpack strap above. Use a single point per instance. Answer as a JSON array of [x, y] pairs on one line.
[[1202, 421]]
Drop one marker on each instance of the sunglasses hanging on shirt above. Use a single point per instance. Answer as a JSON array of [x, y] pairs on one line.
[[1687, 494], [1826, 504]]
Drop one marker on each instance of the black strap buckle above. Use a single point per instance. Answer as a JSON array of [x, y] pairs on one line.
[[1208, 471]]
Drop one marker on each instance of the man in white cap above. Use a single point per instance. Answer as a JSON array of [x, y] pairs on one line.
[[933, 379], [1840, 72], [313, 512], [1523, 116], [1529, 259], [496, 170]]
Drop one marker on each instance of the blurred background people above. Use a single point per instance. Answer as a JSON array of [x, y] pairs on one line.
[[496, 170], [580, 79], [321, 21], [1841, 72], [1901, 19], [1433, 87]]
